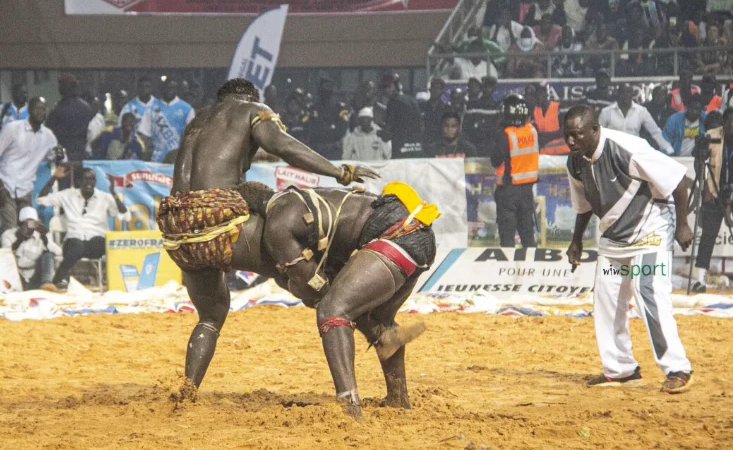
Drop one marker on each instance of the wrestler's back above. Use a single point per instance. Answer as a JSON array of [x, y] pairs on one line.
[[216, 148]]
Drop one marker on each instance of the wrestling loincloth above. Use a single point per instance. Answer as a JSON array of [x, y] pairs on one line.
[[391, 231], [199, 227]]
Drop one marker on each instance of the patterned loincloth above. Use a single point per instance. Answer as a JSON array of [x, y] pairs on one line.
[[199, 227]]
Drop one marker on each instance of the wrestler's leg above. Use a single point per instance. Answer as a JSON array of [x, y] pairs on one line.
[[210, 295], [367, 281], [390, 334]]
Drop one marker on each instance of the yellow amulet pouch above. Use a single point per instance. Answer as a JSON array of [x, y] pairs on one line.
[[422, 211]]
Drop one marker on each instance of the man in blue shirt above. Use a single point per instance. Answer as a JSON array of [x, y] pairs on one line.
[[18, 108], [164, 122], [119, 142], [142, 102]]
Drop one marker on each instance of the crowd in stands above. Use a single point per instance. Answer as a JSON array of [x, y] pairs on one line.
[[516, 33]]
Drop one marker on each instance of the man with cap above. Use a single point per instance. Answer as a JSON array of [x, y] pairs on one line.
[[602, 96], [34, 251], [364, 144]]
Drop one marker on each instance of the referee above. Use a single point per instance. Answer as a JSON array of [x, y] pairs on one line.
[[636, 192]]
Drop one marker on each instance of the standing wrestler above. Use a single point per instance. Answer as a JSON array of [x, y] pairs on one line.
[[355, 258], [636, 192], [203, 218]]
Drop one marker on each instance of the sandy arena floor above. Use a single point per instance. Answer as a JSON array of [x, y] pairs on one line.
[[103, 382]]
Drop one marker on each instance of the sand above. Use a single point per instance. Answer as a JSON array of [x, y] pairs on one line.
[[104, 382]]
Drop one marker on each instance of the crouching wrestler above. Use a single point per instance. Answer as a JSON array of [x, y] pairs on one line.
[[355, 258], [205, 217]]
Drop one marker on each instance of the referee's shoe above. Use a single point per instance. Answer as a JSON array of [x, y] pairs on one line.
[[604, 381]]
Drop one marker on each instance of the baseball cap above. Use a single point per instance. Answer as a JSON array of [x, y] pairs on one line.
[[27, 213], [366, 112]]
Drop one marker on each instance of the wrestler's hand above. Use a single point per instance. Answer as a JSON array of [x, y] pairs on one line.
[[683, 235], [350, 173], [575, 251]]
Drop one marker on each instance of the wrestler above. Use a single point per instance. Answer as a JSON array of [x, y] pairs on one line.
[[204, 216], [355, 258]]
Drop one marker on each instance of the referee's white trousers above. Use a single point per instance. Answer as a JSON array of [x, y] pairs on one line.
[[652, 291]]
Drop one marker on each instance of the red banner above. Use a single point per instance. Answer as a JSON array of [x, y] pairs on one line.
[[250, 6]]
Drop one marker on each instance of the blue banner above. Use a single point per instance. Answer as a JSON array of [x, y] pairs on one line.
[[140, 185]]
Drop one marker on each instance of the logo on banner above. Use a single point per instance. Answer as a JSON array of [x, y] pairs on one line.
[[291, 176], [147, 176]]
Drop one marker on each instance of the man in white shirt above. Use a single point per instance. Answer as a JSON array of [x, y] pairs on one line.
[[640, 198], [87, 210], [24, 144], [505, 30], [34, 252], [363, 144], [628, 116]]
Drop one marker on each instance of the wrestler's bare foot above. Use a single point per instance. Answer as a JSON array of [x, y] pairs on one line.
[[188, 391], [352, 403], [392, 339], [396, 401]]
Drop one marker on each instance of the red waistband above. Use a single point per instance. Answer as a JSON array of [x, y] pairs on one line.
[[391, 251]]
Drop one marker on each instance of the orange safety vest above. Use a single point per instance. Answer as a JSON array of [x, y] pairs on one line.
[[550, 123], [714, 104], [676, 102], [524, 155]]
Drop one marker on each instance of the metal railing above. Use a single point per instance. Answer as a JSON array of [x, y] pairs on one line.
[[438, 62], [457, 24]]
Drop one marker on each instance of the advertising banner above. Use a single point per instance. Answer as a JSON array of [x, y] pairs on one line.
[[140, 185], [136, 260], [249, 6], [257, 52], [506, 272]]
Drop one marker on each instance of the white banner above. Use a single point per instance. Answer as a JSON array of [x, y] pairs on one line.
[[509, 272], [256, 55]]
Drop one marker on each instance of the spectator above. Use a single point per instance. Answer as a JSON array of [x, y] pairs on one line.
[[365, 97], [600, 41], [142, 102], [575, 11], [602, 95], [541, 8], [545, 115], [119, 142], [96, 125], [271, 98], [164, 122], [710, 100], [505, 30], [683, 127], [567, 64], [675, 35], [473, 94], [658, 106], [474, 66], [488, 86], [639, 63], [118, 99], [17, 109], [330, 121], [547, 32], [364, 144], [402, 125], [451, 145], [523, 60], [34, 252], [652, 16], [24, 144], [457, 102], [710, 61], [69, 119], [432, 111], [683, 91], [496, 54], [630, 117], [87, 210], [296, 120]]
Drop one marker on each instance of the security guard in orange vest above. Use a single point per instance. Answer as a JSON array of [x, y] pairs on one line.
[[545, 115], [516, 157]]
